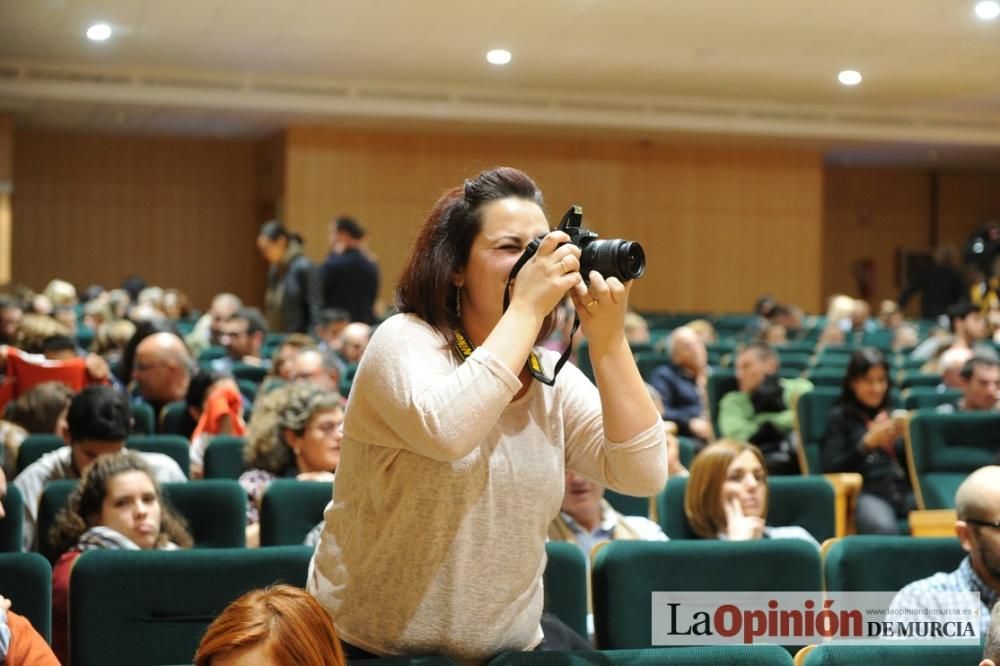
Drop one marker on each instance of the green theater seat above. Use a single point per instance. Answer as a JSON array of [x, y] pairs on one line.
[[34, 447], [290, 509], [224, 457], [626, 573], [143, 419], [565, 582], [942, 449], [731, 655], [174, 446], [26, 579], [812, 410], [878, 563], [893, 655], [807, 501], [12, 523], [152, 607]]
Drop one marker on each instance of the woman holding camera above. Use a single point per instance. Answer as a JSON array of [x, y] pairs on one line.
[[862, 436], [453, 458]]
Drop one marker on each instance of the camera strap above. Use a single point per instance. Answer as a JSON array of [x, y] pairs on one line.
[[465, 349]]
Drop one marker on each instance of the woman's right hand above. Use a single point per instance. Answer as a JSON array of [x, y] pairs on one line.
[[739, 526], [882, 432], [545, 278]]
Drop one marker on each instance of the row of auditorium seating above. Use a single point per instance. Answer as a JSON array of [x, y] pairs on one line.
[[135, 607]]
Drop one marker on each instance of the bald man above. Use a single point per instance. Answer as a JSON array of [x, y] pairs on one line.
[[162, 370], [681, 384], [322, 369], [354, 340], [977, 504]]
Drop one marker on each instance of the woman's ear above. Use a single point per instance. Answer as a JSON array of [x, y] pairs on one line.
[[458, 279], [291, 439]]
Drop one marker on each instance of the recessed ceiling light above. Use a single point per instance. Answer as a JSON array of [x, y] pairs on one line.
[[988, 10], [849, 77], [99, 32], [498, 57]]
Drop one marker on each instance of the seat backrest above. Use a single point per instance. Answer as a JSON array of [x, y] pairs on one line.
[[215, 510], [35, 446], [143, 419], [628, 505], [913, 379], [807, 501], [174, 446], [943, 448], [887, 654], [254, 373], [879, 563], [565, 583], [26, 579], [626, 573], [174, 419], [53, 499], [929, 397], [731, 655], [648, 362], [12, 524], [719, 384], [812, 412], [290, 508], [224, 457], [152, 607]]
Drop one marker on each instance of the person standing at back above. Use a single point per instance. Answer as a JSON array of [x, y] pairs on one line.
[[293, 297], [350, 276]]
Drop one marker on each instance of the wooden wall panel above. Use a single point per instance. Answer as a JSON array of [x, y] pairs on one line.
[[179, 212], [966, 201], [720, 225], [869, 214]]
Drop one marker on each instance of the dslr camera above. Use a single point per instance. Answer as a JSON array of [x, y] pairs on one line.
[[623, 259]]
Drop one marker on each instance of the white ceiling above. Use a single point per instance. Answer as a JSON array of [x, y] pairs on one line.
[[653, 67]]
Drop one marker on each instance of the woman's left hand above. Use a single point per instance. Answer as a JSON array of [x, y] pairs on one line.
[[601, 308]]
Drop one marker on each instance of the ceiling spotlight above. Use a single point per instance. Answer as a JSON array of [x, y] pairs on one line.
[[988, 10], [849, 77], [99, 32], [498, 57]]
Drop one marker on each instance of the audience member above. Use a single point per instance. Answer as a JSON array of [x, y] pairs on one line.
[[354, 340], [991, 651], [273, 627], [117, 505], [208, 329], [889, 315], [34, 330], [967, 325], [587, 519], [59, 348], [295, 432], [904, 338], [773, 334], [862, 436], [10, 319], [20, 643], [162, 370], [704, 330], [726, 495], [977, 505], [66, 316], [61, 293], [350, 275], [176, 304], [941, 285], [950, 365], [293, 295], [980, 384], [331, 322], [636, 329], [760, 412], [322, 369], [39, 410], [143, 330], [243, 337], [283, 360], [681, 384], [98, 422], [111, 338], [215, 406]]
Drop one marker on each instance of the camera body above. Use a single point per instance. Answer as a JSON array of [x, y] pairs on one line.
[[622, 259]]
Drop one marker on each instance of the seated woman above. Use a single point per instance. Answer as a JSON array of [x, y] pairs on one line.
[[279, 625], [726, 495], [117, 505], [295, 432], [862, 436]]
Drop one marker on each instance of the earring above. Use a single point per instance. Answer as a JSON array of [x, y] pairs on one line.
[[458, 302], [297, 452]]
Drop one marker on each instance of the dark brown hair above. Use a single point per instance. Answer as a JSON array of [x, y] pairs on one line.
[[445, 239], [288, 622]]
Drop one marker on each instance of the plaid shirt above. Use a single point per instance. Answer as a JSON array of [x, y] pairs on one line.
[[932, 592]]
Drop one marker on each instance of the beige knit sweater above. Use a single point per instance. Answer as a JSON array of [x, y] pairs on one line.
[[435, 540]]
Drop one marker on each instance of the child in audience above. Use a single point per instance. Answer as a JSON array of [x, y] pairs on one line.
[[117, 505], [862, 436], [295, 432], [276, 626], [726, 495]]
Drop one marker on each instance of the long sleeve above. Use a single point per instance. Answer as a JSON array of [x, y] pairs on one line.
[[736, 418], [313, 295], [842, 448], [675, 407]]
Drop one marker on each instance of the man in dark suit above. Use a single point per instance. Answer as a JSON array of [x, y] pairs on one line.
[[350, 277]]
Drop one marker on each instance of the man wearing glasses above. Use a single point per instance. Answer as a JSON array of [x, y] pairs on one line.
[[977, 504]]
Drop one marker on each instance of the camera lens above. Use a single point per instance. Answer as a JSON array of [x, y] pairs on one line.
[[618, 258]]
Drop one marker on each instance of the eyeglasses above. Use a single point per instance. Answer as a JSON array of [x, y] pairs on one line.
[[984, 523]]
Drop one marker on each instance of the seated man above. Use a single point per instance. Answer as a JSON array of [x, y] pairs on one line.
[[760, 412], [323, 369], [354, 340], [991, 653], [243, 337], [162, 370], [587, 519], [980, 384], [977, 504], [681, 384], [98, 420]]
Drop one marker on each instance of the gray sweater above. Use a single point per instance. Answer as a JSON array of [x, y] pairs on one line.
[[435, 540]]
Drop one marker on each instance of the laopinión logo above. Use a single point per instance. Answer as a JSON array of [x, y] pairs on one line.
[[805, 618]]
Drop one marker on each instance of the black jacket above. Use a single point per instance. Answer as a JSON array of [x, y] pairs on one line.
[[293, 293]]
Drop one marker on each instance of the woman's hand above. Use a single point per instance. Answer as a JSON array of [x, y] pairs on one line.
[[545, 278], [882, 432], [602, 308], [740, 527]]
